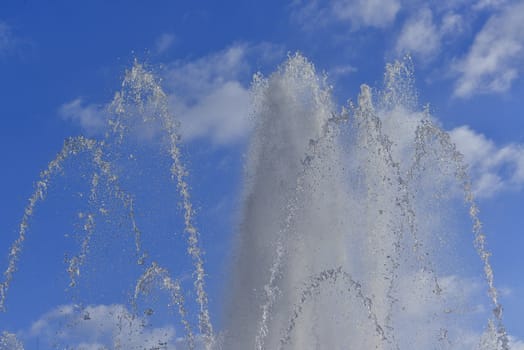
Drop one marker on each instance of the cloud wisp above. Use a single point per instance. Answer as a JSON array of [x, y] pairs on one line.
[[6, 37], [99, 327], [9, 43], [211, 95], [419, 35], [493, 168], [496, 57], [358, 14], [208, 96], [164, 42], [91, 118]]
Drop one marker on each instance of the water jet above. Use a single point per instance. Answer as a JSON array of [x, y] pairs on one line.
[[340, 230]]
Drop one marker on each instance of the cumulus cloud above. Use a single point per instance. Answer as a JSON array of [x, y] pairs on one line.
[[208, 98], [367, 13], [99, 327], [211, 95], [114, 326], [221, 115], [496, 57], [452, 23], [461, 307], [419, 35], [205, 74], [426, 30], [493, 168], [91, 118], [494, 60], [489, 4], [357, 13]]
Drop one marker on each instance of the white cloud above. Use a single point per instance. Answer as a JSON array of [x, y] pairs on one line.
[[425, 32], [458, 311], [419, 36], [488, 4], [496, 57], [203, 75], [210, 95], [367, 13], [164, 42], [338, 72], [222, 115], [91, 118], [99, 327], [493, 168], [358, 13], [452, 24]]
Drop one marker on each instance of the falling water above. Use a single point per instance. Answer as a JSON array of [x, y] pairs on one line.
[[342, 234], [146, 282]]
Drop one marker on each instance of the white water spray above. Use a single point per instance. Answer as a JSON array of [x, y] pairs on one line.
[[336, 247]]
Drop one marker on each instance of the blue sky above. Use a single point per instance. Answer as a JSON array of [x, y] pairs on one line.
[[62, 61]]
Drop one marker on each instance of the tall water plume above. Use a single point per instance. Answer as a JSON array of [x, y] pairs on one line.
[[345, 237], [341, 239], [292, 206]]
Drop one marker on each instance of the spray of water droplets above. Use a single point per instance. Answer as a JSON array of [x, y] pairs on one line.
[[323, 188], [146, 283]]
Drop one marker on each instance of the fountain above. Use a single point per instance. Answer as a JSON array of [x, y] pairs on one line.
[[345, 238]]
